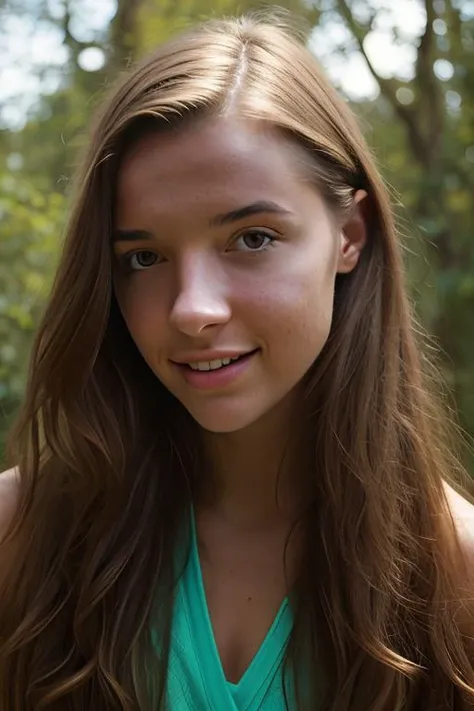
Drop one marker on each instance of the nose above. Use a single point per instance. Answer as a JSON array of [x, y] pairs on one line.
[[201, 301]]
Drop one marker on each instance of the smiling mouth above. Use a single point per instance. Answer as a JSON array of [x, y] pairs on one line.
[[216, 364]]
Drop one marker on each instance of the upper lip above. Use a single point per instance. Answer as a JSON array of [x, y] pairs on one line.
[[207, 356]]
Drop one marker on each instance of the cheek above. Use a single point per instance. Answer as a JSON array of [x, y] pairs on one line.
[[143, 309], [297, 303]]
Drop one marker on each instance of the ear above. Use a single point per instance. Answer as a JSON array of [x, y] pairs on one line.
[[353, 235]]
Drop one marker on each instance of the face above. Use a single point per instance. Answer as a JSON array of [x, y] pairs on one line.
[[225, 264]]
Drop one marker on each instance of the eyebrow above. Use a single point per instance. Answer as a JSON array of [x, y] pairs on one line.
[[225, 218], [255, 208]]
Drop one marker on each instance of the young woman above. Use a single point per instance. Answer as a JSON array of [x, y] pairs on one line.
[[230, 484]]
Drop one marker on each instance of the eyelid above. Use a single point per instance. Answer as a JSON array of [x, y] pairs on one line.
[[124, 259], [270, 234]]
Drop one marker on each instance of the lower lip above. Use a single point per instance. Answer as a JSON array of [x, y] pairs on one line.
[[213, 379]]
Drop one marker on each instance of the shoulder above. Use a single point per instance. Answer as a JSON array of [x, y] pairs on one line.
[[9, 490], [9, 496], [462, 513]]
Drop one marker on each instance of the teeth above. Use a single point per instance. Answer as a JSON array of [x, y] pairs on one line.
[[212, 364]]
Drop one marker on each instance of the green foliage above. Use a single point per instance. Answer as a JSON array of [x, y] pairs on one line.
[[30, 227]]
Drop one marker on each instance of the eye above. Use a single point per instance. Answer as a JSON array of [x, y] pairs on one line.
[[254, 241], [140, 260]]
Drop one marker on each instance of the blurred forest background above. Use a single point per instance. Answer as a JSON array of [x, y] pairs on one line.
[[406, 67]]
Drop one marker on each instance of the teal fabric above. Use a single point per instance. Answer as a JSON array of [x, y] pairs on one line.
[[196, 680]]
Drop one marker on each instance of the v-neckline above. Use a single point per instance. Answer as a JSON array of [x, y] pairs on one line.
[[266, 660]]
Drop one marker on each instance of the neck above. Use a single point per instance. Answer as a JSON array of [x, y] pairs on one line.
[[254, 472]]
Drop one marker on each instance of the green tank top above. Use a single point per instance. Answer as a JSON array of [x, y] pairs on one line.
[[196, 680]]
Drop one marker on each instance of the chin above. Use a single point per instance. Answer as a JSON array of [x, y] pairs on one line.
[[237, 415], [224, 420], [219, 425]]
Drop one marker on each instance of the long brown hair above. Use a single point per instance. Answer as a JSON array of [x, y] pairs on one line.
[[106, 455]]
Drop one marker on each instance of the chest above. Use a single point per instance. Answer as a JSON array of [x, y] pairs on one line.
[[244, 585]]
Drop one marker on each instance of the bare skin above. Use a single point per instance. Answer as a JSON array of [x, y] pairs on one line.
[[242, 534], [245, 584], [8, 506]]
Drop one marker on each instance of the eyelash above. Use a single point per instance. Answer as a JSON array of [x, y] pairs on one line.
[[125, 259]]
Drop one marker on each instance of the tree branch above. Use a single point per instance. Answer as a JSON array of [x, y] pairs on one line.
[[430, 96], [124, 33], [415, 135], [454, 22]]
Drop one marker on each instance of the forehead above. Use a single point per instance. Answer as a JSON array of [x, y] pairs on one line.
[[220, 161]]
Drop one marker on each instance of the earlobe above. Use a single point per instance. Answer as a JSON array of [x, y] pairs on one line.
[[354, 234]]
